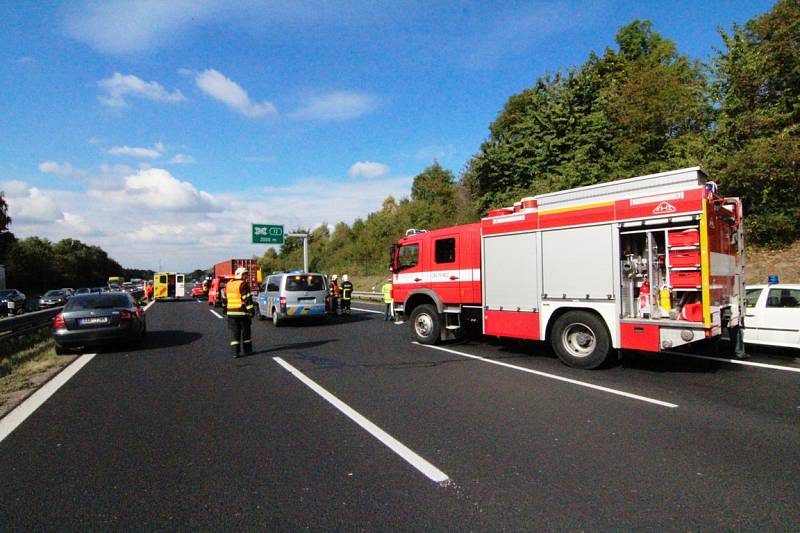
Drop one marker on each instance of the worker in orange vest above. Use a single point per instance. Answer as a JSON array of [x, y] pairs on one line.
[[148, 291], [240, 309]]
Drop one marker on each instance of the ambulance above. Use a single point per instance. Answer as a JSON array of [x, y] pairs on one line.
[[168, 285]]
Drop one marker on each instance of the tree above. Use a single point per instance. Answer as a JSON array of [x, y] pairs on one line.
[[757, 139]]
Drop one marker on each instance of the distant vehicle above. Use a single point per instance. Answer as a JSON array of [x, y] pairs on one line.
[[197, 290], [216, 292], [229, 266], [83, 290], [168, 285], [115, 280], [69, 290], [98, 319], [99, 289], [772, 315], [55, 298], [12, 302], [289, 296]]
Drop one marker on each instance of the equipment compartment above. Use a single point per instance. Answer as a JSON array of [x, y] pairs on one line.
[[684, 238], [689, 258]]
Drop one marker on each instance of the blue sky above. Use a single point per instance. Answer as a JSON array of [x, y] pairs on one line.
[[160, 130]]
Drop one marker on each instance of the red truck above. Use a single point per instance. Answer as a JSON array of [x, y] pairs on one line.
[[648, 263], [228, 267]]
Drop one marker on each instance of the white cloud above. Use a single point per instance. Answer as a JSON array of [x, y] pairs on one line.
[[155, 189], [119, 86], [33, 207], [182, 159], [173, 233], [72, 224], [218, 86], [14, 188], [368, 169], [337, 105], [60, 169], [133, 151], [129, 26]]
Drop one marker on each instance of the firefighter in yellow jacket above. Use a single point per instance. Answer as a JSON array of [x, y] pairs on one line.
[[239, 308]]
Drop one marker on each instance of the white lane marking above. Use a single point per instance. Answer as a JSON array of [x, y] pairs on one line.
[[553, 376], [366, 310], [738, 362], [430, 471], [216, 314], [17, 416], [148, 306]]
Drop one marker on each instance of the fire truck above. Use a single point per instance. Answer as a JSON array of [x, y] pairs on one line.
[[648, 263]]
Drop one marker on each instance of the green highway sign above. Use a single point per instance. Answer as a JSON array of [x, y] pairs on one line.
[[267, 234]]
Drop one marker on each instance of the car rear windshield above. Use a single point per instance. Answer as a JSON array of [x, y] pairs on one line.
[[53, 294], [304, 283], [97, 301]]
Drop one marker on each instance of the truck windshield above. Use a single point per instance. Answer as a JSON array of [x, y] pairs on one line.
[[408, 256]]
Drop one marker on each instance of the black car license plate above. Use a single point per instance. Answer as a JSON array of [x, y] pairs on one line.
[[93, 321]]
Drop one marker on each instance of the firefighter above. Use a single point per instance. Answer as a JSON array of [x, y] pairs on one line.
[[347, 293], [334, 292], [239, 308], [387, 299]]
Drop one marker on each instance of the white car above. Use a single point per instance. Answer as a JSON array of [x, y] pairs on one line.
[[773, 315]]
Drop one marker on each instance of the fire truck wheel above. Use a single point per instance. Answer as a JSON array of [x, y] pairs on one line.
[[425, 324], [580, 340]]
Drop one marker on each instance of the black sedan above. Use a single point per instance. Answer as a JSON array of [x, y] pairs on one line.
[[98, 319], [12, 302], [55, 298]]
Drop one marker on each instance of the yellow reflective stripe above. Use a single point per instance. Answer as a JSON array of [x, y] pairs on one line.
[[705, 269], [575, 208], [236, 313], [305, 311], [234, 343]]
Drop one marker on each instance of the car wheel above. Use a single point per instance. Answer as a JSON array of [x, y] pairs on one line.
[[276, 321], [580, 340], [425, 324]]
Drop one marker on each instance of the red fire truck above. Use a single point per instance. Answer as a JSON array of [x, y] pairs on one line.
[[648, 263]]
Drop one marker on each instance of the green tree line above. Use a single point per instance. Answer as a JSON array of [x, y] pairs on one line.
[[637, 108]]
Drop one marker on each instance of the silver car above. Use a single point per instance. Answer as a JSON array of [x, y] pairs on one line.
[[294, 295]]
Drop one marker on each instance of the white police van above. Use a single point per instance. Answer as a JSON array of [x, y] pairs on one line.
[[293, 295]]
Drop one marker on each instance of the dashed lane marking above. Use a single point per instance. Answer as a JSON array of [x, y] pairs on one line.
[[216, 314], [555, 377], [148, 306], [739, 362], [426, 468], [18, 415]]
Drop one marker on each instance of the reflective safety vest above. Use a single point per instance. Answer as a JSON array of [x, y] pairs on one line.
[[239, 299], [347, 290], [387, 293]]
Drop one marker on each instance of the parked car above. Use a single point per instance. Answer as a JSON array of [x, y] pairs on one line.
[[107, 318], [12, 302], [773, 315], [295, 295], [54, 298], [69, 290]]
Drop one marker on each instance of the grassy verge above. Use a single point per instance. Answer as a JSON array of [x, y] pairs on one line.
[[25, 370]]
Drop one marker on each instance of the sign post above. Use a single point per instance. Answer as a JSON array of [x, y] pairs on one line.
[[268, 234], [304, 236]]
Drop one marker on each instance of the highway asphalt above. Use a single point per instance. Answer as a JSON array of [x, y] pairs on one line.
[[348, 425]]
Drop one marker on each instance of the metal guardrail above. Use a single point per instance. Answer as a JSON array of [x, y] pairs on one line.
[[366, 295], [17, 325]]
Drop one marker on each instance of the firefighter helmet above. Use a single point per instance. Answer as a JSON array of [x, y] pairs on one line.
[[345, 278], [240, 272], [334, 277]]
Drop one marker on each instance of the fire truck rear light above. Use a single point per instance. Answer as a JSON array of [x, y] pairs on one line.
[[58, 321]]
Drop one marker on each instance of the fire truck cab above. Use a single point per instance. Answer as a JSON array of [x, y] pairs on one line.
[[647, 263]]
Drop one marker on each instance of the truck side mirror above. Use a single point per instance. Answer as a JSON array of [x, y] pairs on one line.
[[393, 250]]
